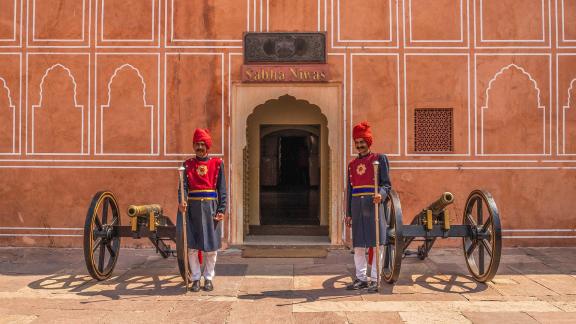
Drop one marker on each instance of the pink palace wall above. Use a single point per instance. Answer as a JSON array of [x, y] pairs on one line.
[[105, 94]]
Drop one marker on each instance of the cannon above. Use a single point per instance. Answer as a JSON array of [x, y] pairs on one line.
[[103, 231], [480, 231]]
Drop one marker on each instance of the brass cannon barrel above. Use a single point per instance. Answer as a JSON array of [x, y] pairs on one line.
[[144, 210], [438, 206]]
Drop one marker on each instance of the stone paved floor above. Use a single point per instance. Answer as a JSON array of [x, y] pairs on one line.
[[534, 285]]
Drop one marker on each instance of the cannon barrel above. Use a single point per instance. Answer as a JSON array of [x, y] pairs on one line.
[[144, 210], [438, 206]]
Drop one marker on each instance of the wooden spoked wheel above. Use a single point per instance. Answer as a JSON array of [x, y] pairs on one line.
[[394, 250], [483, 247], [101, 240]]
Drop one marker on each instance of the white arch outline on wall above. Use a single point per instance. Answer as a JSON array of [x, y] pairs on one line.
[[13, 108], [566, 107], [107, 105], [81, 107], [499, 73]]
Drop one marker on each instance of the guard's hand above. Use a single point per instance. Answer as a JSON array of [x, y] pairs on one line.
[[377, 199], [182, 207], [348, 221], [219, 216]]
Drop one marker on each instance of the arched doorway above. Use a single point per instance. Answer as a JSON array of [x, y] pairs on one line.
[[289, 176], [323, 104], [287, 169]]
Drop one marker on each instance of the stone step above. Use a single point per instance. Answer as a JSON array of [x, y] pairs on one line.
[[301, 230]]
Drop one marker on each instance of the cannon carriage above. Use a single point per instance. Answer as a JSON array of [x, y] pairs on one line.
[[481, 233], [103, 231]]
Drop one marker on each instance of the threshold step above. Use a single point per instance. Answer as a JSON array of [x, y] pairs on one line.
[[298, 230], [284, 251]]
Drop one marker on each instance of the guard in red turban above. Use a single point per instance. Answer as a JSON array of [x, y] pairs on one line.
[[362, 200], [203, 135], [363, 130], [205, 205]]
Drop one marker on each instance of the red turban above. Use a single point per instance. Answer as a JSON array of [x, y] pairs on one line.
[[362, 130], [203, 135]]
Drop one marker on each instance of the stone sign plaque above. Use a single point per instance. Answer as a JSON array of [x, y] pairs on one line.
[[284, 48], [285, 73]]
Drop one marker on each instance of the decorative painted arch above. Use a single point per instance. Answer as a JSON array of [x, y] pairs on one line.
[[11, 106], [70, 75], [76, 105], [571, 88], [503, 70], [125, 67]]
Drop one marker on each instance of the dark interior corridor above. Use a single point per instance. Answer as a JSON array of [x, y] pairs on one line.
[[289, 178]]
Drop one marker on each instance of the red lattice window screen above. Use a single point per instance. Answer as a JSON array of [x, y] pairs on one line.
[[433, 130]]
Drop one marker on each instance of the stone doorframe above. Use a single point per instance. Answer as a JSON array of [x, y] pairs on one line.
[[245, 98]]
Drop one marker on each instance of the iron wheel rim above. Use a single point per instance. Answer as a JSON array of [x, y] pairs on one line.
[[485, 241], [393, 251], [101, 253]]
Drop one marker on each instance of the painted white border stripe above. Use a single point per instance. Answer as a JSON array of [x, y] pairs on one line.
[[172, 40], [392, 161], [81, 228], [43, 228], [222, 58], [540, 230], [406, 96], [496, 43], [84, 167], [398, 100], [31, 39], [35, 235], [414, 40], [13, 39], [543, 39], [391, 44], [540, 237], [80, 235], [102, 39], [318, 14]]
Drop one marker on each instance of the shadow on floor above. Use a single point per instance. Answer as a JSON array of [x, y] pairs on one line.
[[141, 285]]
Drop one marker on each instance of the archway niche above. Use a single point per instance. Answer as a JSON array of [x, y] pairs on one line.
[[297, 107], [285, 118]]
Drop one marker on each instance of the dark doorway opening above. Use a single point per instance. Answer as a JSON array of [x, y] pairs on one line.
[[289, 176]]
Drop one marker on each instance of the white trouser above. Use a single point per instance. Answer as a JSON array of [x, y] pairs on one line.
[[361, 263], [209, 260]]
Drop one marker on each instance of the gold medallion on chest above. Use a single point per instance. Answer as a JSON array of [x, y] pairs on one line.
[[361, 169], [202, 170]]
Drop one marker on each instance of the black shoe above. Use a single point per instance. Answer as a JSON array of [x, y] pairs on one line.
[[195, 286], [357, 284], [208, 285], [372, 287]]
